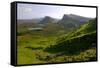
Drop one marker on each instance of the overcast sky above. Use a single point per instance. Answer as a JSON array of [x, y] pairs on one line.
[[31, 11]]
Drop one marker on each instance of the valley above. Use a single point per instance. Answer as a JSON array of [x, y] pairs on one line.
[[48, 40]]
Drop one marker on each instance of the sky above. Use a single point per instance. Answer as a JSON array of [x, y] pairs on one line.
[[31, 11]]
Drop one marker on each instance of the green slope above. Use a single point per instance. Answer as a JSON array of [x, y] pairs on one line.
[[89, 27], [77, 40], [84, 29]]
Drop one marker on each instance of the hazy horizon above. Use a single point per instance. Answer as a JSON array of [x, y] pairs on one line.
[[34, 11]]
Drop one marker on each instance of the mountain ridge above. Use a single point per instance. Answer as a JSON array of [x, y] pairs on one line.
[[72, 20]]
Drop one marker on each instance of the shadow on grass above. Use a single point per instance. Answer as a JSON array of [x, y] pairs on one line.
[[69, 50], [74, 46], [34, 48]]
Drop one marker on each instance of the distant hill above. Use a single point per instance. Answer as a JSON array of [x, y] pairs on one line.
[[72, 21], [79, 18], [68, 22], [47, 20]]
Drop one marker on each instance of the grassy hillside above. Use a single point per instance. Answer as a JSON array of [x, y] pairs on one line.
[[86, 28], [53, 44], [76, 42]]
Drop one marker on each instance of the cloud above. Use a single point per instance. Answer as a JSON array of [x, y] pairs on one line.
[[24, 12], [27, 10]]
